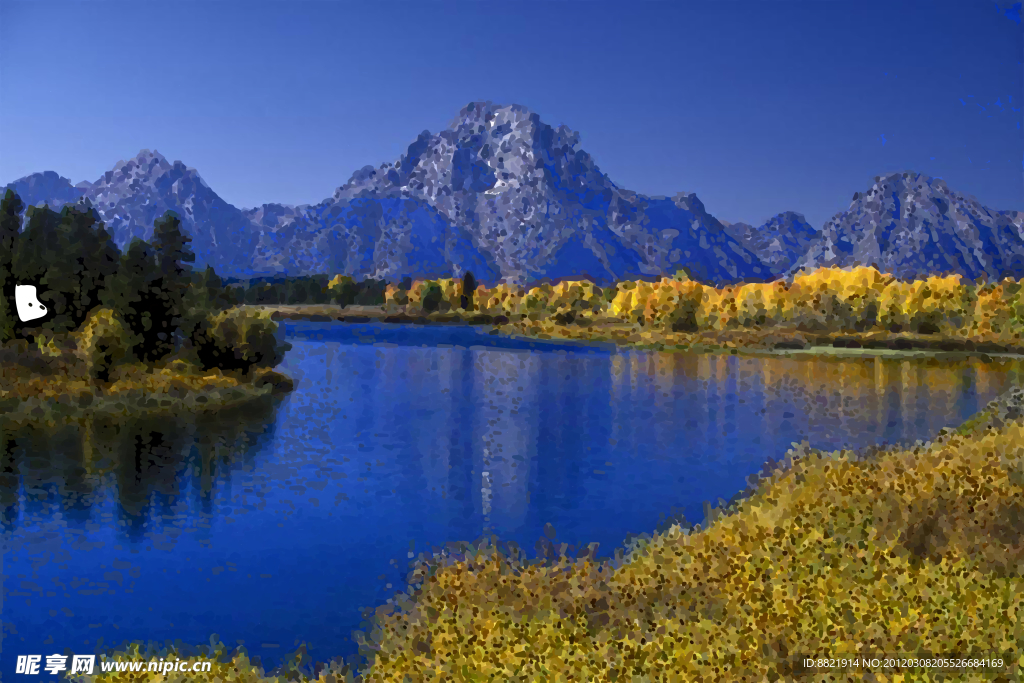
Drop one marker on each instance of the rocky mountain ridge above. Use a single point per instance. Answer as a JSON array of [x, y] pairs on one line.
[[503, 194], [913, 225]]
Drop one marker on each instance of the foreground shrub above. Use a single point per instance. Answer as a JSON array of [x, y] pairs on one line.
[[239, 339], [836, 299], [451, 293], [630, 301], [718, 309], [103, 341]]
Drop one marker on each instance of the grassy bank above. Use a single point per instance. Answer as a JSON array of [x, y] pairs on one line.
[[762, 340], [133, 389], [915, 550]]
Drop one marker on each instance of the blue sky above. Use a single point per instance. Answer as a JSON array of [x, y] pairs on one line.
[[758, 107]]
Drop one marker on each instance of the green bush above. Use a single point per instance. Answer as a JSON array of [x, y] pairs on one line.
[[103, 341], [239, 339], [432, 297], [344, 290]]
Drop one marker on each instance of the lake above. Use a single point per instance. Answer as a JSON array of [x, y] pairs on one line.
[[278, 523]]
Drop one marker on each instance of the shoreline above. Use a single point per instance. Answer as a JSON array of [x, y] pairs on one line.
[[175, 392], [770, 341]]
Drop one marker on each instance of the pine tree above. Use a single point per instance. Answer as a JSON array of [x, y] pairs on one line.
[[11, 208], [138, 299], [34, 250], [88, 258], [173, 253], [468, 290]]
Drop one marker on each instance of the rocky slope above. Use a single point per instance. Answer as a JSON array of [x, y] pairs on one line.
[[132, 195], [912, 225], [46, 188], [504, 195], [780, 243]]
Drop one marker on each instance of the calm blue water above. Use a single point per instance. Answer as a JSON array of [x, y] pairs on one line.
[[276, 524]]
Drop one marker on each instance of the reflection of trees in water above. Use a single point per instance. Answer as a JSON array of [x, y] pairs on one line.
[[832, 401], [8, 480], [155, 468], [43, 468]]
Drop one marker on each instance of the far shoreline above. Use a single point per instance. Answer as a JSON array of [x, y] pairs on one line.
[[753, 342]]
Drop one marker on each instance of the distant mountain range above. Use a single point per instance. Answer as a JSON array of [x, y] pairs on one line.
[[510, 198]]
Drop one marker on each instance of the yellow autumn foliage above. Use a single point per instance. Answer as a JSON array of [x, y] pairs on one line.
[[673, 303], [395, 296], [630, 300], [501, 299], [858, 299], [998, 308], [103, 341], [915, 551]]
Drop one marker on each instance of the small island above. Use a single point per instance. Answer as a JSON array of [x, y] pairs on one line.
[[125, 332]]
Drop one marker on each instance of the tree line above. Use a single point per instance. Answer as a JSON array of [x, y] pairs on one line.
[[861, 299]]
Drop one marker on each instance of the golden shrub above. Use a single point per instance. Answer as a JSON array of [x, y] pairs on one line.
[[103, 341], [630, 301], [761, 304], [501, 299], [836, 298], [451, 292], [718, 309], [673, 304], [575, 294], [997, 310], [913, 552], [395, 296]]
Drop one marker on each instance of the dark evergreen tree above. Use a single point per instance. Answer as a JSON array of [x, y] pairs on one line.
[[70, 258], [11, 208], [87, 263], [173, 254], [432, 297], [346, 291], [34, 250], [370, 292], [138, 299], [468, 290]]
